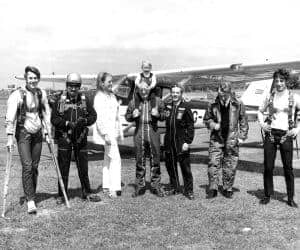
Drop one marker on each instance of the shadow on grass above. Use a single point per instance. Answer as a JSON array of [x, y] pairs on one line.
[[243, 165], [220, 188], [259, 194]]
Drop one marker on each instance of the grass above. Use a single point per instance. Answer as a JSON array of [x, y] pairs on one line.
[[149, 222]]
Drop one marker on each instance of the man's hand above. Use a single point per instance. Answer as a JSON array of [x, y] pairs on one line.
[[81, 122], [217, 126], [10, 142], [107, 140], [154, 112], [71, 125], [135, 113], [266, 127], [185, 147], [293, 132]]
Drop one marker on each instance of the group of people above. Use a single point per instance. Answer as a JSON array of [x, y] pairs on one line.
[[29, 117]]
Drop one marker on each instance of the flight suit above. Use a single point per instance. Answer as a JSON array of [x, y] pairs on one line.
[[146, 139], [82, 114], [179, 130], [224, 146]]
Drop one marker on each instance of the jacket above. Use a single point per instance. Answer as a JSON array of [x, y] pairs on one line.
[[238, 123], [179, 126]]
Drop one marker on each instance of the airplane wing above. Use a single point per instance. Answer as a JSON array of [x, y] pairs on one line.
[[198, 76]]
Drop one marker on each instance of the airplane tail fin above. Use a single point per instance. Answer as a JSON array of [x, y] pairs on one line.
[[254, 96]]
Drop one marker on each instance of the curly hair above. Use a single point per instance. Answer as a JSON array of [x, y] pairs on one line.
[[282, 73]]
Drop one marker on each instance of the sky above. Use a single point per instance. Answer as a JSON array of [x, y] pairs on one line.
[[89, 36]]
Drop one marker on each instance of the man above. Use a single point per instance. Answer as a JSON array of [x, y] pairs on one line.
[[279, 129], [28, 108], [179, 134], [227, 120], [71, 114], [146, 112]]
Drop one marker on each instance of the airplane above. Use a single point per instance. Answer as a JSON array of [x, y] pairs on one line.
[[200, 84]]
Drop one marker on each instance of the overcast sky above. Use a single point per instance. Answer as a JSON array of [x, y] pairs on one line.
[[88, 36]]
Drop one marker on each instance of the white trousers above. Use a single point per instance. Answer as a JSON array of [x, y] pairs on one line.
[[112, 168]]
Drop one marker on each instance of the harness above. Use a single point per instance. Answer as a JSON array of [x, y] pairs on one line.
[[147, 80], [289, 110], [64, 104], [23, 107]]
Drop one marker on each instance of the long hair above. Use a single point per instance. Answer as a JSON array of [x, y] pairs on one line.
[[281, 73], [101, 77]]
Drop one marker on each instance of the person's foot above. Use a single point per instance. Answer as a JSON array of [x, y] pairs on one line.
[[190, 196], [137, 192], [92, 197], [172, 191], [158, 192], [212, 193], [31, 208], [105, 190], [265, 200], [60, 200], [119, 193], [292, 203], [112, 194], [228, 194]]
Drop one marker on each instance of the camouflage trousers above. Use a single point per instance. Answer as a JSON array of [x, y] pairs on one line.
[[223, 159]]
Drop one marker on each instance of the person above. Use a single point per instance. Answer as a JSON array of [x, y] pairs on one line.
[[226, 118], [107, 131], [279, 130], [148, 77], [27, 114], [71, 114], [179, 135], [146, 139]]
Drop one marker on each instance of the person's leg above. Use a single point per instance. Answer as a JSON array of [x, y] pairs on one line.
[[231, 157], [24, 148], [105, 171], [171, 166], [140, 162], [215, 153], [286, 151], [36, 149], [64, 159], [115, 168], [185, 165], [154, 144], [270, 149]]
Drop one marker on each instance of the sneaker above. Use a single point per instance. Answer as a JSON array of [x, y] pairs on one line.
[[158, 192], [292, 203], [190, 196], [60, 200], [31, 208], [112, 194], [211, 194], [228, 194], [265, 200]]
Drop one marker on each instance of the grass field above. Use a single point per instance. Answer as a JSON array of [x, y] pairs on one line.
[[149, 222]]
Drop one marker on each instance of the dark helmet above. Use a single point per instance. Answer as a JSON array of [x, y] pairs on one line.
[[74, 79]]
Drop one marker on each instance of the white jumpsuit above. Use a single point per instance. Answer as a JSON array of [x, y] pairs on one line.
[[108, 123]]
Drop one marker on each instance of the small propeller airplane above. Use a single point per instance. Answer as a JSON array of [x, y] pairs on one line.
[[200, 86]]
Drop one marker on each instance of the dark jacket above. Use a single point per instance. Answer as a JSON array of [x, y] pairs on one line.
[[151, 102], [238, 124], [64, 111], [179, 126]]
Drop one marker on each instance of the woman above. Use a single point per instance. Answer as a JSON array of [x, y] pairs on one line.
[[107, 131]]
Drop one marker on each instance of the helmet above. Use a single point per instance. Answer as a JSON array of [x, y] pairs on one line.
[[73, 79]]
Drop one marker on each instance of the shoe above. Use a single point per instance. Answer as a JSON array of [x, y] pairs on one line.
[[119, 193], [172, 191], [112, 194], [105, 190], [212, 193], [265, 200], [137, 192], [92, 197], [31, 208], [292, 203], [60, 200], [190, 196], [158, 192], [228, 194]]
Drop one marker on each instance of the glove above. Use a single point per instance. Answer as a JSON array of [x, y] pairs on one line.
[[154, 112], [81, 122], [293, 132], [185, 147], [135, 113], [217, 126]]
